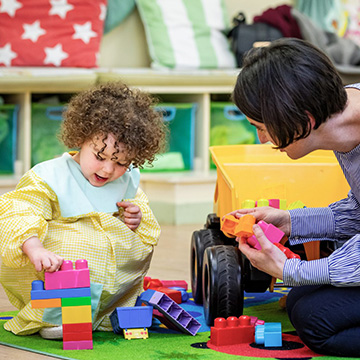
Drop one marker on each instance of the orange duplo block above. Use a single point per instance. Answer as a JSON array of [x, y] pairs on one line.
[[244, 228], [229, 224], [45, 303]]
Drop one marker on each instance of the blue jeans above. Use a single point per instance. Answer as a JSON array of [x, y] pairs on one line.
[[326, 318]]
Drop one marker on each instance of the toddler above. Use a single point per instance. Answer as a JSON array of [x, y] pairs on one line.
[[68, 207]]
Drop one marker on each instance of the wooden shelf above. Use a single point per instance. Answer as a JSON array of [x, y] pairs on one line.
[[19, 85]]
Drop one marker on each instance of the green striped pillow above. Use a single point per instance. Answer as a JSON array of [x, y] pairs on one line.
[[187, 34]]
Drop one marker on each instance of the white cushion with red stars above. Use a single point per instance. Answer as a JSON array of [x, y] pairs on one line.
[[64, 33]]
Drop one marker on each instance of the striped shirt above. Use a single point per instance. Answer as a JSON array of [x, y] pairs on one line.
[[340, 223]]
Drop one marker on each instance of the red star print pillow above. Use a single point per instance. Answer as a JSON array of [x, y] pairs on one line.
[[64, 33]]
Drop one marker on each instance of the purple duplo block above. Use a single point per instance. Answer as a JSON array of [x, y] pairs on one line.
[[171, 311]]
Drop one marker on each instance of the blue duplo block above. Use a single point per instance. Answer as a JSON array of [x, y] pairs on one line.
[[38, 292], [131, 318], [269, 334]]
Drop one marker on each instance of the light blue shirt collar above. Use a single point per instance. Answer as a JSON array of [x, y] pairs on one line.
[[76, 195]]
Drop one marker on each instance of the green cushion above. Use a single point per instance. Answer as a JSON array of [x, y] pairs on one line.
[[117, 12], [187, 34]]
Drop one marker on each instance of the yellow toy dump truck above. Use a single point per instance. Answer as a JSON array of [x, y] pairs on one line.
[[219, 272]]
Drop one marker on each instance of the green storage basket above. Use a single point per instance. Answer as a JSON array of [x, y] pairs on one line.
[[229, 126], [180, 118], [45, 125], [8, 136]]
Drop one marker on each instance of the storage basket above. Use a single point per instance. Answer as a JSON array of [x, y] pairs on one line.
[[45, 125], [8, 137], [229, 126], [180, 152]]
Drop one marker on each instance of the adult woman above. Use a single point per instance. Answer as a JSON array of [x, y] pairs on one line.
[[293, 95]]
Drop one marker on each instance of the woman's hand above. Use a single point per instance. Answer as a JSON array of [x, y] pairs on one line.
[[132, 214], [277, 217], [269, 259], [40, 257]]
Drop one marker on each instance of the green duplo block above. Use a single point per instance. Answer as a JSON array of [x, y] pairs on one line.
[[76, 301]]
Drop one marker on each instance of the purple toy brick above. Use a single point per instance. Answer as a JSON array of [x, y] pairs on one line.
[[68, 277], [172, 311]]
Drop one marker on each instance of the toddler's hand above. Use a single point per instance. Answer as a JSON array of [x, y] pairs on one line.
[[40, 257], [132, 214]]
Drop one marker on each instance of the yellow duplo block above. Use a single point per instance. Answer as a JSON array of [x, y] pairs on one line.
[[248, 204], [282, 204], [262, 202], [296, 205], [76, 314], [45, 303]]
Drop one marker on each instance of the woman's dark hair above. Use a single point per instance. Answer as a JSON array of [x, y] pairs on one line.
[[280, 84]]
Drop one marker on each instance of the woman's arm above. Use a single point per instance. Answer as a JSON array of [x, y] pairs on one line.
[[338, 222]]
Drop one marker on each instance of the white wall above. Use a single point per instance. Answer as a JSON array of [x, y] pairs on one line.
[[125, 46]]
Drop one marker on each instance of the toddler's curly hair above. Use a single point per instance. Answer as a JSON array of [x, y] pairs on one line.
[[114, 108]]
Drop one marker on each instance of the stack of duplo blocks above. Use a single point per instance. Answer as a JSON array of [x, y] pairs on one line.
[[69, 289]]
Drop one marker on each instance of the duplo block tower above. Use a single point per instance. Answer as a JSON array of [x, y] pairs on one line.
[[69, 289]]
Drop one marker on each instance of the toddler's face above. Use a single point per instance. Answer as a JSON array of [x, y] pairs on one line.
[[101, 169]]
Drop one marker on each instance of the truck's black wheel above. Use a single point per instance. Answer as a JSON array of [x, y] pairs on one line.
[[212, 222], [223, 293], [201, 240], [254, 280]]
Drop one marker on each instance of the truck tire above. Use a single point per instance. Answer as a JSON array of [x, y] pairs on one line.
[[200, 240], [223, 291], [254, 280], [212, 222]]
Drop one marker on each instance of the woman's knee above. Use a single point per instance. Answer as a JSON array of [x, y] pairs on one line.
[[295, 295]]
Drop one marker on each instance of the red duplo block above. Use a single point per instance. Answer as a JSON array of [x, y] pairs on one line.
[[232, 331], [82, 327], [150, 283], [77, 332], [175, 283], [68, 277], [77, 336], [174, 295]]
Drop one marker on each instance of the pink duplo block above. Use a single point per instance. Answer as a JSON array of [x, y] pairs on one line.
[[78, 345], [275, 203], [68, 277], [271, 232]]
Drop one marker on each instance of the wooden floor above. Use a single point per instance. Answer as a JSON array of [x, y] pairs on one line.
[[171, 261]]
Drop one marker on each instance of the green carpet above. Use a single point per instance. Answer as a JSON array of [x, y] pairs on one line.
[[162, 344]]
